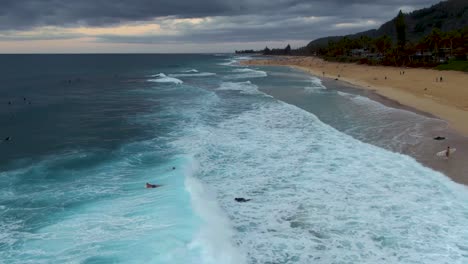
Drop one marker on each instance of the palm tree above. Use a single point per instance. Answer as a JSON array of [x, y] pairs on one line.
[[365, 41], [434, 39], [287, 50], [400, 28], [450, 38], [383, 44]]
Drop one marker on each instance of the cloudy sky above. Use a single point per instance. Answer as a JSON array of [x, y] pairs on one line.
[[164, 26]]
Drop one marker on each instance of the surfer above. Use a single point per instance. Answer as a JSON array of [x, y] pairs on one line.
[[447, 152], [149, 186], [241, 200]]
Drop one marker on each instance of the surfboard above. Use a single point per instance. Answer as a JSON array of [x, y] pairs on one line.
[[442, 153]]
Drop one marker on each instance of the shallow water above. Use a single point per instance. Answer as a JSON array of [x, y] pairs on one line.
[[100, 126]]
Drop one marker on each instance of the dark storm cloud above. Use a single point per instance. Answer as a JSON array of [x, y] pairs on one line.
[[16, 14], [243, 20]]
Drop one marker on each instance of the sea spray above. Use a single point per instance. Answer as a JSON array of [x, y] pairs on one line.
[[165, 79], [215, 238], [325, 197]]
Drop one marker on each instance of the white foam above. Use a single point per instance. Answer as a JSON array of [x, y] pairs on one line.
[[246, 73], [244, 87], [344, 94], [316, 82], [320, 196], [165, 79], [316, 86], [406, 130], [244, 70], [234, 60], [373, 105], [243, 57], [130, 218], [215, 237], [201, 74], [230, 62], [192, 70]]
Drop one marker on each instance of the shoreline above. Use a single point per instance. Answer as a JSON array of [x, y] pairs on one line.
[[455, 168], [416, 88]]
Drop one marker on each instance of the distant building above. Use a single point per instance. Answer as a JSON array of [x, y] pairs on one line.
[[422, 55], [358, 52], [370, 55]]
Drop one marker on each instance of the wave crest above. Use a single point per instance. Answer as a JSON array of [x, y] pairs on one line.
[[165, 79]]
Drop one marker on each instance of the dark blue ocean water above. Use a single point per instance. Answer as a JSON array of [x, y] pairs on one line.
[[88, 131], [77, 101]]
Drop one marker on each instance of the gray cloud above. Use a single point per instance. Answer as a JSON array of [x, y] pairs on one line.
[[243, 29], [235, 20], [16, 14]]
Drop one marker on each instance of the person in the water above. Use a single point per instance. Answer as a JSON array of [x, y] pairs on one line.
[[447, 152], [241, 200], [148, 185]]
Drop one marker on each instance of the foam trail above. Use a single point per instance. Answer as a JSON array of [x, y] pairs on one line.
[[246, 73], [316, 86], [234, 60], [243, 58], [165, 79], [244, 87], [317, 82], [216, 235], [405, 126], [230, 62], [201, 74]]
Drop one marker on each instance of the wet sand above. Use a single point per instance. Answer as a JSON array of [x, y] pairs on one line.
[[418, 88], [456, 167]]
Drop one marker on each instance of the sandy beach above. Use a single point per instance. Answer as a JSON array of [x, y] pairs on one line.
[[412, 90], [421, 89]]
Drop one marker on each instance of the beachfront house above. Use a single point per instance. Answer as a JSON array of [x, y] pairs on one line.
[[358, 52]]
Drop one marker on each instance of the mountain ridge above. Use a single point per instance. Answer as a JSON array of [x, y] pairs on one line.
[[445, 15]]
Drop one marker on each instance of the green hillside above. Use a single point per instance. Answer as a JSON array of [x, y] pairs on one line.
[[446, 16]]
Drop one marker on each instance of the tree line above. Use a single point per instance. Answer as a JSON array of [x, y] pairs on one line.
[[433, 49], [267, 51], [430, 50]]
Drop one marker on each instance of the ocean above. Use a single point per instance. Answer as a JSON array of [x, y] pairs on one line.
[[320, 165]]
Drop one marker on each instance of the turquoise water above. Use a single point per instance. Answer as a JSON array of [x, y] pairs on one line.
[[100, 126]]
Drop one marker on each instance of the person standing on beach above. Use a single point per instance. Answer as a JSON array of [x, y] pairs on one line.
[[447, 152]]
